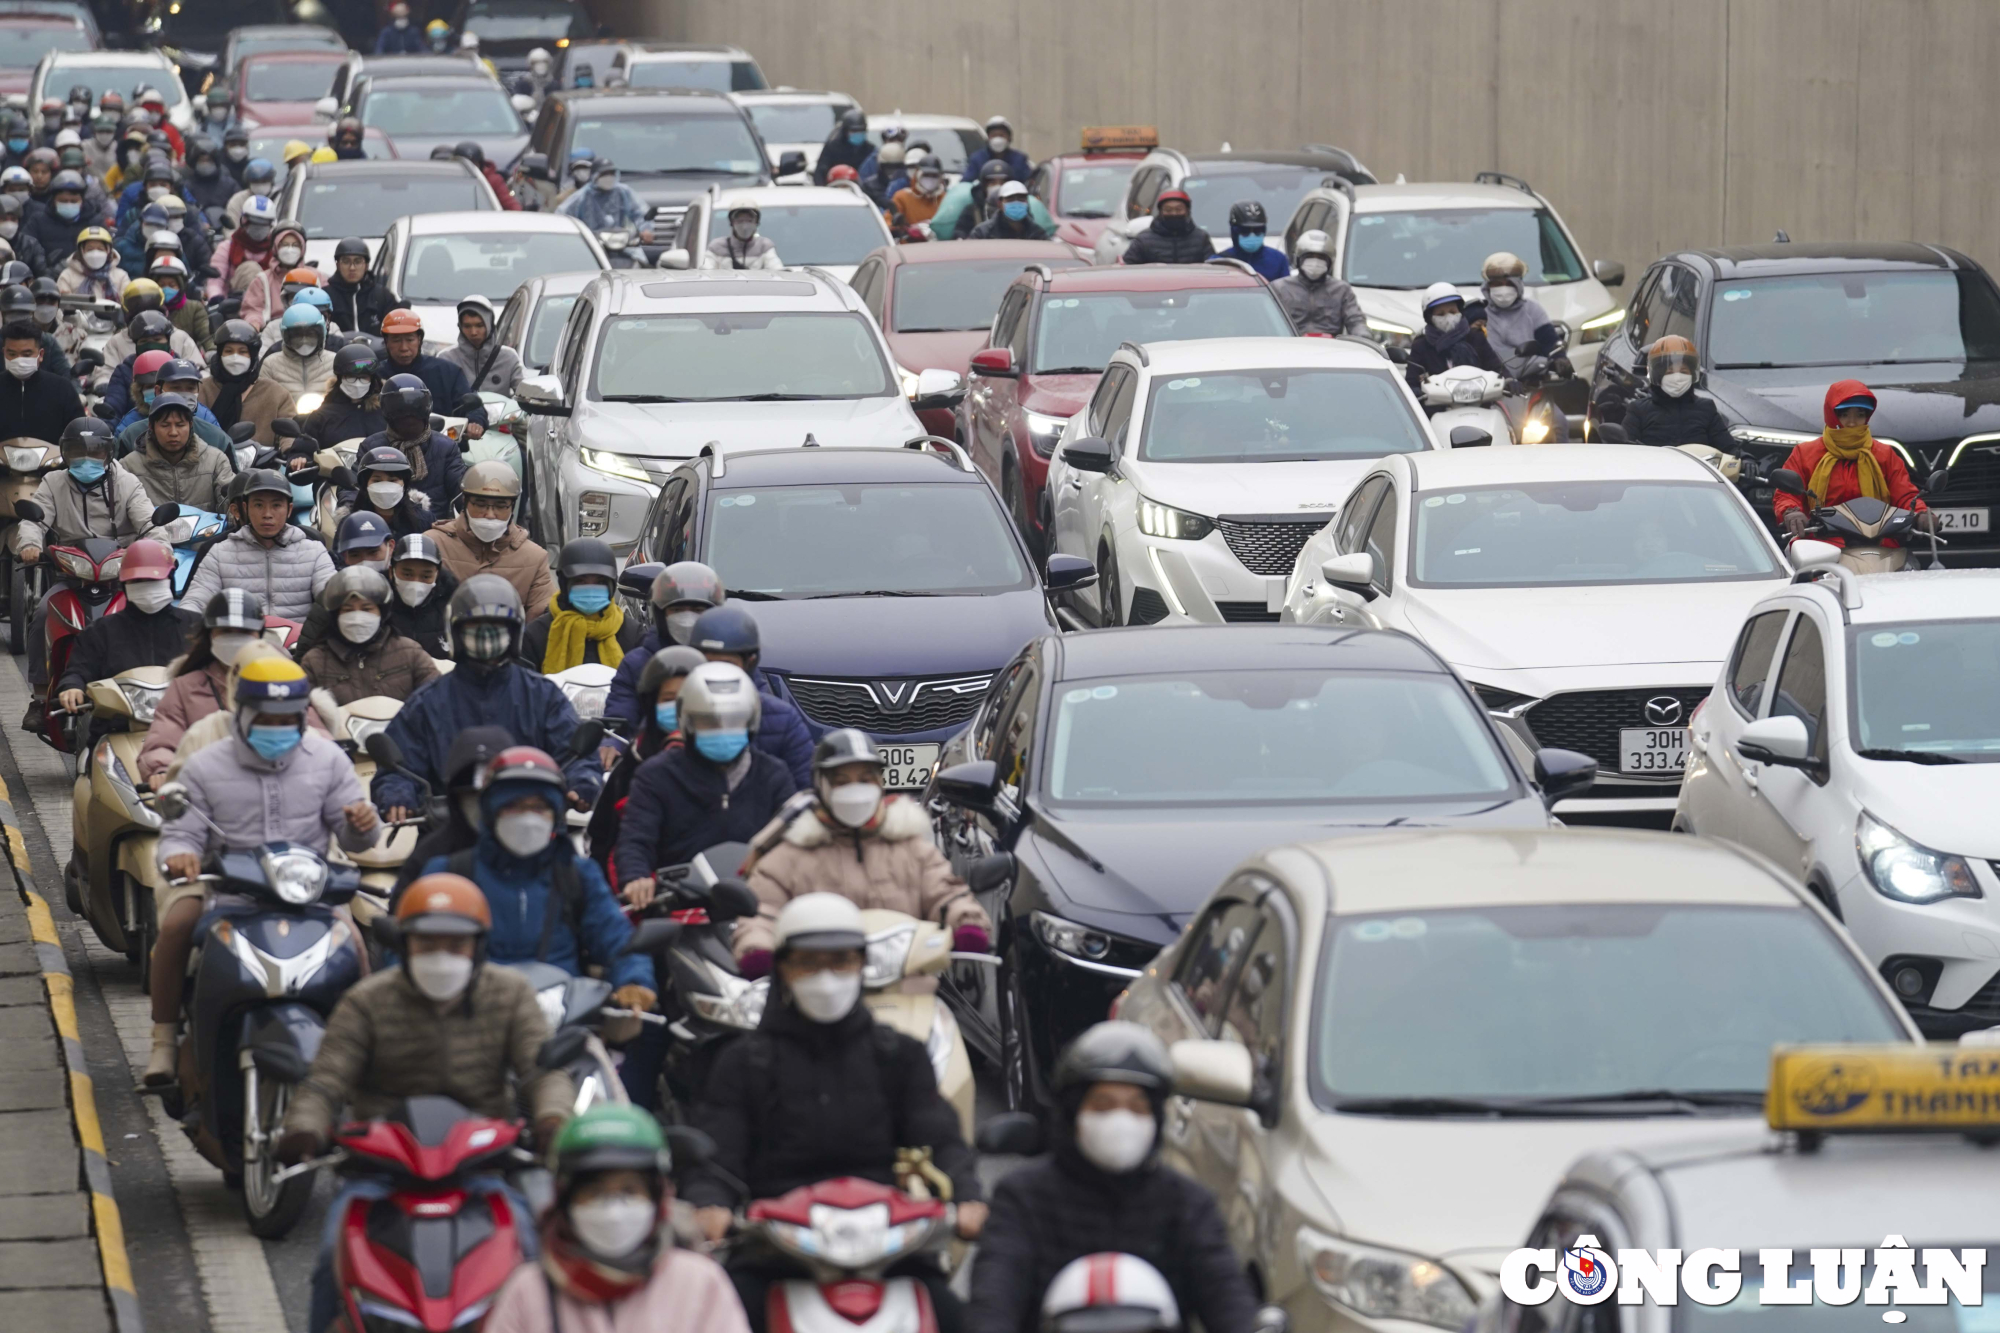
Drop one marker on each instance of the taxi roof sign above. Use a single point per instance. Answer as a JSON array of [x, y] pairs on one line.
[[1115, 138], [1883, 1089]]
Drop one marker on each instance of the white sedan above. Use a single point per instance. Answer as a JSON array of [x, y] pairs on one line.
[[435, 260], [1589, 593]]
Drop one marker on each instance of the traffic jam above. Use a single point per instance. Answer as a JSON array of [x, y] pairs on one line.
[[663, 703]]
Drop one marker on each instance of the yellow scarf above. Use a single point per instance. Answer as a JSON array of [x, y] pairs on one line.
[[1848, 444], [570, 630]]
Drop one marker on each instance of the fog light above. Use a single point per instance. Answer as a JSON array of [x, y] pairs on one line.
[[1913, 977], [594, 515], [1909, 982]]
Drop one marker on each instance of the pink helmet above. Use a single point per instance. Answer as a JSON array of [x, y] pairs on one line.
[[146, 559]]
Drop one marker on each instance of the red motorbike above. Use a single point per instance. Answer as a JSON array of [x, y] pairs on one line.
[[844, 1235]]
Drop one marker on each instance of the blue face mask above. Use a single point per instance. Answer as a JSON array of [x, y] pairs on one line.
[[1015, 210], [68, 212], [302, 497], [721, 746], [589, 599], [274, 743], [87, 471], [857, 137], [169, 293], [17, 145], [1250, 242], [668, 715]]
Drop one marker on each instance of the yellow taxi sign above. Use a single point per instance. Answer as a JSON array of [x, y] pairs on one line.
[[1838, 1089], [1111, 138]]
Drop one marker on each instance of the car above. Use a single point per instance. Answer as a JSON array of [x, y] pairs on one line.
[[251, 39], [108, 71], [1589, 593], [534, 316], [283, 87], [654, 366], [508, 29], [792, 120], [596, 54], [1110, 780], [1055, 332], [952, 140], [1392, 241], [1216, 182], [1393, 1046], [936, 303], [268, 142], [335, 200], [422, 112], [26, 37], [1851, 738], [362, 65], [1776, 324], [79, 10], [830, 227], [431, 261], [1200, 468], [722, 69], [194, 36], [670, 147], [1083, 190]]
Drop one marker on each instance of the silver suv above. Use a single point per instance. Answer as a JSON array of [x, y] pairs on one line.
[[651, 367]]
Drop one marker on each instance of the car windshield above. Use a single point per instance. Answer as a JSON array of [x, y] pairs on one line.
[[952, 148], [722, 76], [1219, 185], [550, 316], [793, 122], [1853, 319], [525, 20], [1551, 534], [1094, 189], [120, 79], [440, 111], [350, 205], [670, 143], [296, 40], [290, 80], [271, 147], [848, 541], [1264, 737], [1485, 1003], [445, 269], [1279, 416], [720, 357], [1407, 251], [938, 298], [814, 234], [1927, 688], [1078, 334], [23, 43]]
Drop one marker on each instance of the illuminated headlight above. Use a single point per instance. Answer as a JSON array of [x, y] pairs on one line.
[[308, 403], [549, 999], [1536, 429], [1770, 436], [613, 465], [908, 379], [1070, 938], [1395, 335], [1043, 432], [296, 877], [888, 953], [1906, 872], [1158, 520], [22, 459], [1597, 330], [142, 699], [740, 1004], [1384, 1284]]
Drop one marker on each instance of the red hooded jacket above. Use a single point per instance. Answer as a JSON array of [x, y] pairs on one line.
[[1843, 484], [500, 187]]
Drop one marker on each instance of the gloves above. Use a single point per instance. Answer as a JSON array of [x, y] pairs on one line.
[[1563, 366], [634, 997], [755, 964], [1795, 524], [297, 1145], [971, 939]]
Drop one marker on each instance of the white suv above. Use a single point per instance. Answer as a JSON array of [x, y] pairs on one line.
[[1854, 739], [651, 367], [830, 227]]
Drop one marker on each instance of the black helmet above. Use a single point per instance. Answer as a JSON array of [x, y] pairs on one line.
[[583, 557], [347, 125], [993, 172], [470, 151], [261, 480], [1246, 216], [234, 608], [846, 745], [151, 326], [237, 331], [1114, 1052], [67, 182], [41, 287], [350, 247], [416, 546], [385, 458], [670, 663], [853, 119], [725, 629], [353, 359], [87, 436], [405, 396], [16, 302], [16, 273], [484, 598]]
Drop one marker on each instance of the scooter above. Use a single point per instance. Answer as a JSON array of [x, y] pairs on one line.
[[1463, 403], [274, 958], [114, 870], [1863, 524], [586, 1025], [842, 1236], [28, 461], [191, 530]]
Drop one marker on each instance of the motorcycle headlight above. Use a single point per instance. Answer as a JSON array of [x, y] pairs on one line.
[[22, 459], [1384, 1284], [1536, 429], [740, 1003], [613, 465], [1597, 330], [359, 729], [1467, 391], [1043, 432], [75, 565], [586, 700], [887, 955], [308, 404], [142, 699], [297, 877], [1158, 520], [1907, 872], [614, 241]]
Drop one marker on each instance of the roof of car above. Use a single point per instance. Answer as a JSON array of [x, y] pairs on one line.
[[1149, 648], [399, 82], [1145, 277], [847, 465], [1920, 594], [266, 29], [490, 220], [1555, 462], [112, 59], [765, 96], [425, 63], [780, 196], [1808, 257], [1214, 355], [373, 167], [637, 100], [703, 291], [962, 252], [716, 49], [1439, 194], [565, 284], [1290, 157]]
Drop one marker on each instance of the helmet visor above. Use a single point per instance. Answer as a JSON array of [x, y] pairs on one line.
[[1670, 363]]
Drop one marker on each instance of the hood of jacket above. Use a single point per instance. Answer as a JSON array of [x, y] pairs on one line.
[[898, 821], [1839, 392]]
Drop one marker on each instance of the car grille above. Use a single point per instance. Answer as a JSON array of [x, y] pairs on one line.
[[1268, 547], [1977, 473], [1588, 721], [1984, 1004], [1148, 607], [1246, 613], [889, 706]]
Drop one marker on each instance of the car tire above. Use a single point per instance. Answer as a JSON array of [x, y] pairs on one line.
[[1827, 898], [1110, 597]]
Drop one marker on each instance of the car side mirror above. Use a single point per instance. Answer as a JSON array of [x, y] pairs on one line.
[[1067, 573], [791, 162], [996, 362], [990, 871], [971, 785], [1354, 572], [652, 936], [1609, 272], [1781, 740], [563, 1048], [638, 579], [1088, 454], [937, 389], [241, 433], [165, 514], [541, 395], [1214, 1071], [675, 258], [326, 108], [1011, 1134], [1790, 482], [731, 900], [1470, 437], [1563, 774]]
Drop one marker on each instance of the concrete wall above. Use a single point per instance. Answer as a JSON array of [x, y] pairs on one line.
[[1651, 124]]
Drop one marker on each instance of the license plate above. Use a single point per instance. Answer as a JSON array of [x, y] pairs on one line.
[[1964, 520], [1652, 749], [907, 767]]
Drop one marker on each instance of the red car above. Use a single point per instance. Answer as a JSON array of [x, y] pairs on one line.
[[935, 302], [26, 37], [280, 87], [1085, 190], [1056, 331]]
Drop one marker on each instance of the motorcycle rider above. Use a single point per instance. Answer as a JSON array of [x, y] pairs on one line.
[[301, 364], [999, 148], [18, 305], [861, 842], [741, 246], [156, 375], [483, 537], [423, 592], [362, 540], [660, 684], [231, 620], [1173, 237], [249, 251], [1448, 339], [1516, 325], [1104, 1188], [149, 331], [57, 227], [464, 764], [283, 563], [403, 336], [1009, 219], [680, 593], [1670, 412], [382, 489], [845, 146], [149, 631], [352, 406], [364, 655], [1846, 461], [729, 634], [87, 265], [541, 73], [208, 184], [469, 151], [883, 173], [608, 1254], [969, 203], [236, 151], [174, 467], [26, 247], [820, 1090], [269, 292], [231, 372], [920, 200], [1246, 234], [437, 468], [170, 272], [1315, 300], [398, 37], [489, 365], [608, 205], [276, 781], [584, 623], [35, 402], [346, 140], [359, 301]]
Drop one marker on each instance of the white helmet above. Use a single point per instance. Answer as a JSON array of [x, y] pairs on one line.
[[1110, 1284], [1438, 293], [540, 56], [819, 920], [1314, 242], [468, 41], [718, 696], [260, 209]]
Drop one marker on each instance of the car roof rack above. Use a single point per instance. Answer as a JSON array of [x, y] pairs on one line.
[[1038, 267], [1502, 178], [1847, 585], [928, 443], [712, 451], [1137, 351], [1353, 172]]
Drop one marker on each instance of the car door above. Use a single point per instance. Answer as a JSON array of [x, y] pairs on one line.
[[1072, 535], [1220, 941], [1778, 815], [571, 352], [994, 400], [870, 285], [1718, 786], [1350, 534], [1104, 496]]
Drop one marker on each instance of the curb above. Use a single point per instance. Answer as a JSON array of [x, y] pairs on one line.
[[109, 1225]]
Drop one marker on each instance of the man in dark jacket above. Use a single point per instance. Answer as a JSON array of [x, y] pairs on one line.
[[1010, 220], [1105, 1188], [1670, 412], [423, 588], [403, 333], [399, 37], [1172, 238], [35, 402], [999, 148], [847, 146], [729, 634], [1447, 339], [26, 248], [1246, 235], [359, 302], [982, 203], [437, 466]]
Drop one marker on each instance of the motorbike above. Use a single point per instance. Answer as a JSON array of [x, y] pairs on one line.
[[380, 864], [1863, 525], [114, 870], [272, 960], [28, 461], [1463, 404], [619, 248], [1547, 407], [842, 1236], [194, 528]]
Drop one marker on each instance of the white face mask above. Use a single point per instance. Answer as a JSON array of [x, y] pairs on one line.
[[156, 192], [997, 143], [1673, 386], [524, 834], [826, 997], [440, 976], [289, 255], [356, 389], [1114, 1141], [24, 367], [9, 229], [680, 624], [385, 494], [236, 365], [95, 258], [1504, 297], [302, 347], [413, 591], [1445, 323], [854, 803], [225, 644], [613, 1227], [359, 626], [1312, 270], [149, 595], [488, 529]]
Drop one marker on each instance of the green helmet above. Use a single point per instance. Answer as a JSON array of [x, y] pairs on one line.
[[610, 1138]]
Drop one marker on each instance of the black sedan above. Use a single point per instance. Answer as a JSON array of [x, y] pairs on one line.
[[1110, 781]]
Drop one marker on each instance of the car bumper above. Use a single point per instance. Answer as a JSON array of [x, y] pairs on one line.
[[1957, 941], [1061, 996], [1175, 582]]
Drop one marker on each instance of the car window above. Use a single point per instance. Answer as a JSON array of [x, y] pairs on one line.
[[1014, 731], [1100, 401], [773, 357], [1410, 250], [553, 21], [656, 143], [1927, 687], [1077, 334], [866, 282], [1005, 688], [468, 110], [578, 330], [1854, 319], [286, 80], [936, 298], [1382, 543], [1750, 666], [1004, 322], [1088, 189], [814, 233], [542, 334], [1680, 297], [653, 540], [1648, 311], [349, 205], [445, 269], [794, 122], [680, 530], [1801, 688], [1219, 942], [1255, 1009], [1280, 416], [1354, 517], [1145, 189], [1118, 416]]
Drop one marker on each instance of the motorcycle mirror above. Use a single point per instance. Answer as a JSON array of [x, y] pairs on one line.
[[387, 933], [586, 738], [1787, 481], [285, 428], [30, 511], [990, 871], [171, 801], [562, 1048], [1011, 1133], [652, 936], [1399, 355], [382, 748], [637, 580], [165, 514], [689, 1146], [343, 477], [242, 432], [731, 900]]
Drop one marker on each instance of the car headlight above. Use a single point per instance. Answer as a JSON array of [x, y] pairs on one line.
[[1158, 520], [1909, 873], [613, 465], [1769, 435], [142, 699], [1070, 938], [888, 954], [1384, 1284], [1043, 432], [296, 876], [23, 459], [1395, 335], [1597, 330]]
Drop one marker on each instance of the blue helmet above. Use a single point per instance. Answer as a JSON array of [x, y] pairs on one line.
[[304, 315], [360, 531], [313, 296], [258, 169]]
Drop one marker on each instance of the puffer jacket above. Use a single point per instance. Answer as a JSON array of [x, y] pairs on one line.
[[783, 733], [387, 1042], [115, 507], [759, 253], [322, 718], [106, 282], [387, 664], [1327, 306], [190, 697], [501, 364], [1153, 246], [893, 865], [197, 477], [281, 380], [339, 418], [514, 558], [254, 800], [686, 1293], [529, 705], [288, 574], [127, 639], [682, 804], [443, 466]]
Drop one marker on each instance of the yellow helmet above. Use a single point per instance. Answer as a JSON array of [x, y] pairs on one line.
[[296, 149], [94, 234], [141, 294], [325, 154], [274, 684], [436, 28]]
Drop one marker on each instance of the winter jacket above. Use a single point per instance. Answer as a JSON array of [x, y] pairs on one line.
[[996, 227], [131, 430], [682, 804], [783, 734], [75, 279], [116, 384], [725, 252], [1524, 323], [1059, 1208], [1268, 260], [446, 382], [339, 418], [535, 639], [964, 207], [197, 477], [210, 191], [242, 260], [322, 717], [115, 507], [443, 466], [28, 249], [190, 697], [494, 368], [388, 1042], [423, 623], [1327, 306], [1432, 352], [387, 664], [529, 705], [222, 393], [687, 1293], [404, 41], [253, 800], [1655, 418], [911, 206], [797, 1102], [39, 407], [500, 188], [282, 379], [838, 152], [1017, 162], [191, 318], [360, 306], [288, 573], [615, 209], [893, 865], [56, 238], [1153, 246], [1843, 483], [514, 558], [264, 298], [127, 639]]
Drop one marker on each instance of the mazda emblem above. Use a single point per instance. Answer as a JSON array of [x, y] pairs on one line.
[[1663, 710]]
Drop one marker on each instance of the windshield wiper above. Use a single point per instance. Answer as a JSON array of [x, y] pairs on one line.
[[1913, 756], [871, 592], [1071, 370], [1422, 1106], [751, 595], [1638, 1101], [1672, 1096], [773, 398], [1746, 365], [643, 398]]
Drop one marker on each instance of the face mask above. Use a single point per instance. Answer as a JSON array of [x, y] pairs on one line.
[[721, 746], [386, 495], [24, 367], [68, 212], [290, 254], [402, 24], [668, 715], [359, 626], [17, 146], [1447, 322], [156, 191], [827, 997], [236, 364], [440, 976], [743, 231], [605, 183], [1175, 225], [302, 346], [257, 232], [102, 138], [524, 834], [854, 803], [589, 600], [413, 591], [483, 641], [1014, 210], [580, 176], [9, 230], [149, 595], [225, 644], [176, 225], [1504, 297], [1250, 242], [47, 315], [930, 185], [357, 390], [169, 293], [273, 743], [146, 396], [1312, 270], [857, 137], [680, 624], [205, 170], [614, 1227], [1114, 1141], [997, 143], [86, 471], [488, 529], [1673, 386], [379, 566]]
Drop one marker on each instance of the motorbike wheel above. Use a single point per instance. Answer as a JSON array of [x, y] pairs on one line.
[[272, 1210], [149, 934], [20, 603]]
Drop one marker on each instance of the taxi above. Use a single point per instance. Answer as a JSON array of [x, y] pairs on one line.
[[1389, 1047], [1867, 1150], [1084, 190]]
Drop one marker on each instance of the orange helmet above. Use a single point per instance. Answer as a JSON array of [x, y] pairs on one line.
[[1670, 355], [443, 904], [401, 321], [304, 277]]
